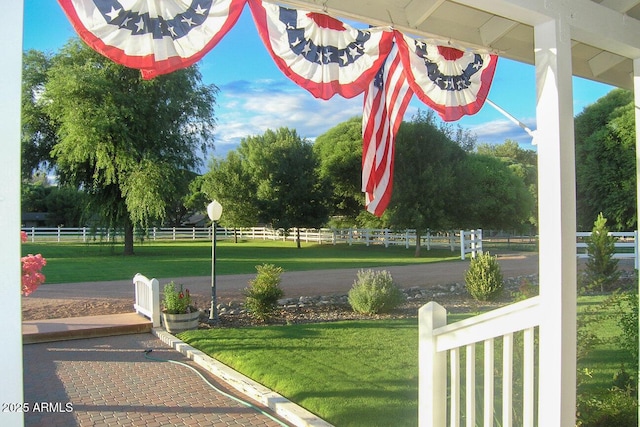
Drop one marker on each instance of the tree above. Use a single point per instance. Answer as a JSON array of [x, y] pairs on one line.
[[492, 195], [424, 181], [38, 131], [522, 162], [339, 152], [289, 191], [230, 184], [602, 268], [605, 161], [123, 139]]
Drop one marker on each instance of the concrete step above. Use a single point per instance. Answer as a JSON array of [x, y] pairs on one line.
[[37, 331]]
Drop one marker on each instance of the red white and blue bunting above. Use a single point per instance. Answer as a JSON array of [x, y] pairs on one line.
[[318, 52], [156, 37], [451, 81]]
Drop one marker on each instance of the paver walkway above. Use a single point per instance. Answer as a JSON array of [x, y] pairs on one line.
[[108, 382]]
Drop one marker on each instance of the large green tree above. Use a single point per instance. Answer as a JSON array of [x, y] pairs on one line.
[[339, 152], [122, 139], [289, 192], [492, 195], [605, 161], [523, 163], [424, 183], [232, 186], [38, 131]]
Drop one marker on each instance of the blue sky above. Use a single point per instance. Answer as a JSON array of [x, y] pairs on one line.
[[255, 95]]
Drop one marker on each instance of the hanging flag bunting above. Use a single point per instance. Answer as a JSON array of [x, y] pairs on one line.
[[386, 100], [451, 81], [157, 37], [320, 53]]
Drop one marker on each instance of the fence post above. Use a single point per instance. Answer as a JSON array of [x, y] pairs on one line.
[[406, 239], [59, 230], [636, 262], [428, 240], [368, 235], [33, 234], [155, 294], [452, 240], [462, 244], [386, 237], [432, 369], [479, 243]]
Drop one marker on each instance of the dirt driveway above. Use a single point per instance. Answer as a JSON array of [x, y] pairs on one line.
[[87, 298]]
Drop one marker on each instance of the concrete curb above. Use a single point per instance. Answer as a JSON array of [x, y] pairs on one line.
[[288, 410]]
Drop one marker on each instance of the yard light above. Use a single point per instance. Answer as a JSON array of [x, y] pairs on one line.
[[214, 210]]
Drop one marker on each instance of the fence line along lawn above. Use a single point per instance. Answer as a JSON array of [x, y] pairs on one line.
[[79, 262]]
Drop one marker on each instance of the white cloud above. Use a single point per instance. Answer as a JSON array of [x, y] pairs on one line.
[[497, 131], [250, 108]]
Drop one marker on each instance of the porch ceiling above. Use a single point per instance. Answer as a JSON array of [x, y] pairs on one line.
[[605, 33]]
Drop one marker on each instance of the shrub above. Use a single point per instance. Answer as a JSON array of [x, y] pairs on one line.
[[264, 292], [602, 268], [484, 278], [615, 407], [176, 301], [374, 292]]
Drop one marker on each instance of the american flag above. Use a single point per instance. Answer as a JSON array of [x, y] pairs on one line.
[[385, 102]]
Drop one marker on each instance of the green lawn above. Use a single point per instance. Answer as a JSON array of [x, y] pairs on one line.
[[78, 262], [360, 373]]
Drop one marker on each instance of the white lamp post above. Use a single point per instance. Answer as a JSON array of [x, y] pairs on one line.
[[214, 210]]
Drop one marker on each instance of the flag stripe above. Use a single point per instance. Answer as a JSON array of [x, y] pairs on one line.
[[386, 100]]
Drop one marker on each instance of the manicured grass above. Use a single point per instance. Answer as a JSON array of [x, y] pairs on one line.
[[360, 373], [348, 373], [78, 262]]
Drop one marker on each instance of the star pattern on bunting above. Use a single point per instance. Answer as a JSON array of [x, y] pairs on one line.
[[143, 23], [321, 54]]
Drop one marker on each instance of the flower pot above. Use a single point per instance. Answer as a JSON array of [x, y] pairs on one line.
[[180, 322]]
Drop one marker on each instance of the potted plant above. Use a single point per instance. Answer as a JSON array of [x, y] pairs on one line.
[[178, 313]]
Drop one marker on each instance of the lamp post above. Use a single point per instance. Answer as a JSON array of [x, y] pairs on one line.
[[214, 210]]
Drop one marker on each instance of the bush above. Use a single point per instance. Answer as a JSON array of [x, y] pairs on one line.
[[602, 268], [484, 278], [264, 292], [374, 292], [615, 407]]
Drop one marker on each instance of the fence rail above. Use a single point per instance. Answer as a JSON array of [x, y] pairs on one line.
[[449, 240], [626, 245]]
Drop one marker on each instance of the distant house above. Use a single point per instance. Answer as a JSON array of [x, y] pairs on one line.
[[197, 220], [34, 219]]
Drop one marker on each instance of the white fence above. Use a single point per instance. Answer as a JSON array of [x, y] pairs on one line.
[[147, 298], [626, 245], [441, 401], [468, 241]]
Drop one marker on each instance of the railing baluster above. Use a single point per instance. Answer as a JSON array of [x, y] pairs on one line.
[[455, 387], [471, 385], [528, 380], [488, 382], [507, 380]]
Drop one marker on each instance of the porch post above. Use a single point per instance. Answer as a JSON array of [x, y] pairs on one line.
[[636, 103], [10, 270], [557, 220]]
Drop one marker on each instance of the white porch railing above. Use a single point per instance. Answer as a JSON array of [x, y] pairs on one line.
[[147, 300], [439, 340]]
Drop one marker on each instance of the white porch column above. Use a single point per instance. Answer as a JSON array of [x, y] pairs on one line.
[[557, 219], [10, 270], [636, 103]]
